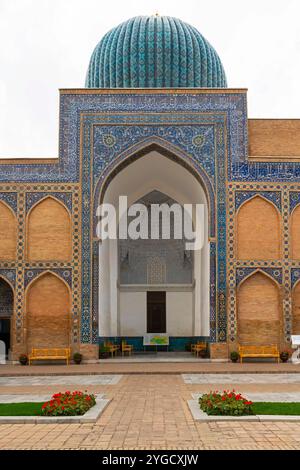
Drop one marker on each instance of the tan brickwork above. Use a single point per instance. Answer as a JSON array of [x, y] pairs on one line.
[[89, 351], [258, 230], [274, 137], [8, 233], [218, 350], [151, 412], [49, 232], [48, 313], [259, 311]]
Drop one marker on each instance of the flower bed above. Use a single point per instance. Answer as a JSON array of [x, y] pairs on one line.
[[68, 404], [228, 403]]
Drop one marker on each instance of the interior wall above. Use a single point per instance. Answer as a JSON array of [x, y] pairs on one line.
[[48, 313], [133, 313], [180, 313]]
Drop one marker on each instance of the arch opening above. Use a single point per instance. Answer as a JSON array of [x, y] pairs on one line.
[[129, 269], [6, 313]]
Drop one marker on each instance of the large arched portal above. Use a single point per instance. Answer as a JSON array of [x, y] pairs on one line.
[[132, 272]]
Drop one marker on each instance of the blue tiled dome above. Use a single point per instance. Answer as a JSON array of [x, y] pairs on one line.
[[154, 52]]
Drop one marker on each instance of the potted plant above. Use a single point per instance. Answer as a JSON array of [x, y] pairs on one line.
[[234, 356], [103, 352], [77, 357], [284, 356], [23, 359], [203, 353]]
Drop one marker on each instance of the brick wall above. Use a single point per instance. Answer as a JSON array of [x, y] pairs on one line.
[[49, 232], [259, 311], [48, 313], [8, 233], [258, 230]]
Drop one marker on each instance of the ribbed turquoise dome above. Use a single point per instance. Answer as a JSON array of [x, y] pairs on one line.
[[154, 52]]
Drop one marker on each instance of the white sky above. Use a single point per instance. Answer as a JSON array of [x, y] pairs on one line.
[[46, 45]]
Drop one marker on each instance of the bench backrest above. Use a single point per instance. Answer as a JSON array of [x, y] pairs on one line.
[[253, 349], [51, 352]]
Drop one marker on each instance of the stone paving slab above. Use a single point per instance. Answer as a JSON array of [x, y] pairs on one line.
[[150, 412], [241, 378], [60, 380]]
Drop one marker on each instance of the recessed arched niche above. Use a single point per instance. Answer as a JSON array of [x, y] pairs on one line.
[[49, 232], [8, 233], [48, 312], [295, 233], [258, 310], [296, 309], [258, 232]]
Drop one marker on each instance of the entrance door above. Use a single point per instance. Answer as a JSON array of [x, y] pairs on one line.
[[5, 332], [156, 312]]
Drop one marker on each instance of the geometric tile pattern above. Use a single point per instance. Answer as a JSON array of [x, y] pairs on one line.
[[100, 132], [285, 271]]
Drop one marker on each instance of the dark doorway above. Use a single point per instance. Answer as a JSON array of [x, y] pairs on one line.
[[6, 312], [5, 332], [156, 312]]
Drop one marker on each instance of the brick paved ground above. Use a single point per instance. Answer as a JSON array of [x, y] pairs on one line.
[[150, 412], [120, 367]]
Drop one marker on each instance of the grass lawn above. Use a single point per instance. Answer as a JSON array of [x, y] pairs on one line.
[[21, 409], [269, 408]]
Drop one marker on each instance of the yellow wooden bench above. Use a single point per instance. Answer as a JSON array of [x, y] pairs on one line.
[[126, 348], [198, 347], [112, 347], [259, 351], [49, 353]]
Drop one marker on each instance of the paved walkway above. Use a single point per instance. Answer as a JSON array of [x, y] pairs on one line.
[[120, 367], [60, 380], [241, 378], [151, 412]]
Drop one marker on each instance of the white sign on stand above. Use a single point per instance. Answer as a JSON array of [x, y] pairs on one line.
[[156, 339], [296, 345], [2, 352]]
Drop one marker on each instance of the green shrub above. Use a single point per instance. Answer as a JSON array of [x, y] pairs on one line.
[[234, 356], [227, 403], [77, 357]]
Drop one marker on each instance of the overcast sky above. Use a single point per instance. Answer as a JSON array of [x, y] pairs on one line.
[[46, 45]]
